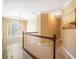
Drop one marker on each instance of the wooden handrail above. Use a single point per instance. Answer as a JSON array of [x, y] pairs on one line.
[[41, 36], [30, 32]]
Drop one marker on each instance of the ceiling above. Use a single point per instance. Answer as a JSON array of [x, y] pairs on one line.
[[28, 9]]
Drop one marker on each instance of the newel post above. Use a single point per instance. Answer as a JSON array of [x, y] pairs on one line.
[[23, 39], [54, 46]]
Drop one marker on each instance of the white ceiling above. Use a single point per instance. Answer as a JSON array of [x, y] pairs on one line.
[[28, 9]]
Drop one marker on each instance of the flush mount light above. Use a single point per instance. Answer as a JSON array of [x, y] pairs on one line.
[[33, 12]]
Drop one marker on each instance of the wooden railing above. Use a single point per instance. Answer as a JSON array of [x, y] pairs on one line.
[[41, 36]]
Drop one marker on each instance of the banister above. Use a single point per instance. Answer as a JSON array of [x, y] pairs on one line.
[[30, 32], [41, 36]]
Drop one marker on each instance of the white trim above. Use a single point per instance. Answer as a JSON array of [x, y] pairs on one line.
[[68, 53]]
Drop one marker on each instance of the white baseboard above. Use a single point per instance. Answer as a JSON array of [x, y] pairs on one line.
[[72, 57]]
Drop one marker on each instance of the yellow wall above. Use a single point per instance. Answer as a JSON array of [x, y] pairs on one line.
[[4, 38], [48, 25], [69, 35], [54, 26]]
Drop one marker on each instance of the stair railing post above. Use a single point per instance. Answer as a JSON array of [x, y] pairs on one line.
[[54, 46], [23, 39]]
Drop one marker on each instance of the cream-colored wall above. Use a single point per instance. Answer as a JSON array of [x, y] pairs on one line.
[[4, 32], [4, 38], [68, 36], [69, 41], [32, 25], [24, 23]]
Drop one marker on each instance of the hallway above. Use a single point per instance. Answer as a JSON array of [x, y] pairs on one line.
[[45, 28]]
